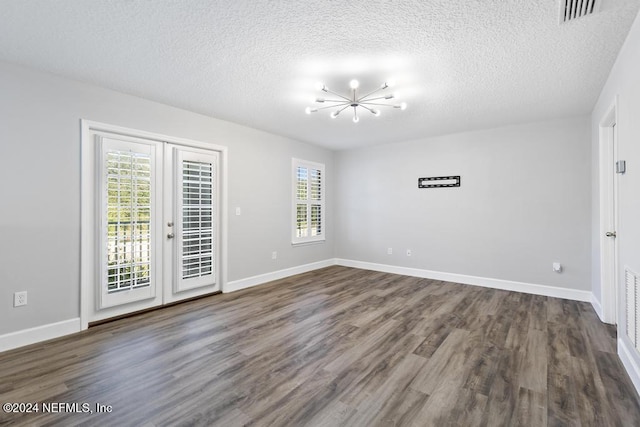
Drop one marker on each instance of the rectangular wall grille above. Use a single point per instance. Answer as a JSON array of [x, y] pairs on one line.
[[128, 203], [197, 219], [574, 9], [632, 283]]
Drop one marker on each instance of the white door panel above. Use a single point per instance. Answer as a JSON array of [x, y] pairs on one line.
[[195, 209], [128, 206]]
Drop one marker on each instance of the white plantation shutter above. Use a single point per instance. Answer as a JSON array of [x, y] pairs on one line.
[[128, 215], [308, 205], [196, 218]]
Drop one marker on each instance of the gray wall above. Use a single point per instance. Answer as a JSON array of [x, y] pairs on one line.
[[623, 82], [523, 204], [524, 200], [40, 188]]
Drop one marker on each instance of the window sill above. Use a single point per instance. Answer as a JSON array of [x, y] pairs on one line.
[[308, 243]]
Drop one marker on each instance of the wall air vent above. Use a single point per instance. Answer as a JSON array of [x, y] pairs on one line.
[[632, 312], [570, 10]]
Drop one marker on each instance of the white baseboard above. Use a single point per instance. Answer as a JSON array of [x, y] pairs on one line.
[[597, 306], [249, 282], [529, 288], [55, 330], [629, 363], [39, 333]]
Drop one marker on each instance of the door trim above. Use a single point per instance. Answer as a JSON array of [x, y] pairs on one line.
[[608, 267], [88, 173]]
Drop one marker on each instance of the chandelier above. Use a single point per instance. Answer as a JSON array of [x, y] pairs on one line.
[[367, 102]]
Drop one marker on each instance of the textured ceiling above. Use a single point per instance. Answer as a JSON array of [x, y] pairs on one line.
[[459, 64]]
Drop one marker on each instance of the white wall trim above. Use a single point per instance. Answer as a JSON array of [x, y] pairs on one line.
[[629, 364], [55, 330], [529, 288], [597, 306], [608, 267], [260, 279], [39, 333]]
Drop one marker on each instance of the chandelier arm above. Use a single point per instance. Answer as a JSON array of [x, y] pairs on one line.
[[370, 93], [375, 103], [366, 108], [338, 95], [373, 99], [341, 110], [346, 104], [334, 100]]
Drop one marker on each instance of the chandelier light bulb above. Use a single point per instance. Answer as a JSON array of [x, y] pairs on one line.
[[335, 114], [320, 86], [384, 85], [319, 99], [310, 110], [376, 112], [353, 84], [403, 106], [356, 119], [390, 96]]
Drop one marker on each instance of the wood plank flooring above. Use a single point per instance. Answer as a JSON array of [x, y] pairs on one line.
[[338, 346]]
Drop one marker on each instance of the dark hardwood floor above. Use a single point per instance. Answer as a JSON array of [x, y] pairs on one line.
[[337, 346]]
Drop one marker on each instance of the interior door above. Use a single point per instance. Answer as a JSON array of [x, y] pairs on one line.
[[613, 234]]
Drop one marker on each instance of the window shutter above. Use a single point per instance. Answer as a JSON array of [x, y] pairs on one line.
[[308, 209], [197, 219]]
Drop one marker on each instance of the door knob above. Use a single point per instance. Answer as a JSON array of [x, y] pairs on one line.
[[170, 236], [611, 234]]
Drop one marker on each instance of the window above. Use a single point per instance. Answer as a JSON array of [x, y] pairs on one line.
[[308, 202]]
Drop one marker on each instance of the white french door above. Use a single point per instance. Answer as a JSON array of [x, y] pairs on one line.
[[192, 210], [156, 210], [128, 214]]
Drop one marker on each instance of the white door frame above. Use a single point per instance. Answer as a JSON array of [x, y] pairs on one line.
[[88, 273], [609, 275]]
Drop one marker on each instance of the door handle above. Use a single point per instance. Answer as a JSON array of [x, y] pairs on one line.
[[170, 236], [611, 234]]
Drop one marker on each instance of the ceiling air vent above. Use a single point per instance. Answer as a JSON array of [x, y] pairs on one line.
[[571, 10]]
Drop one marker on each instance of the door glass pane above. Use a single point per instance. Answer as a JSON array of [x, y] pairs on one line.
[[197, 219], [128, 236]]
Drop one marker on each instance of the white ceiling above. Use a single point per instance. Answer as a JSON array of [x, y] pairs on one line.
[[459, 64]]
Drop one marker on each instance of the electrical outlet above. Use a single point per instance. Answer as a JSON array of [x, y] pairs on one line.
[[19, 298], [274, 255], [389, 251], [408, 252]]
